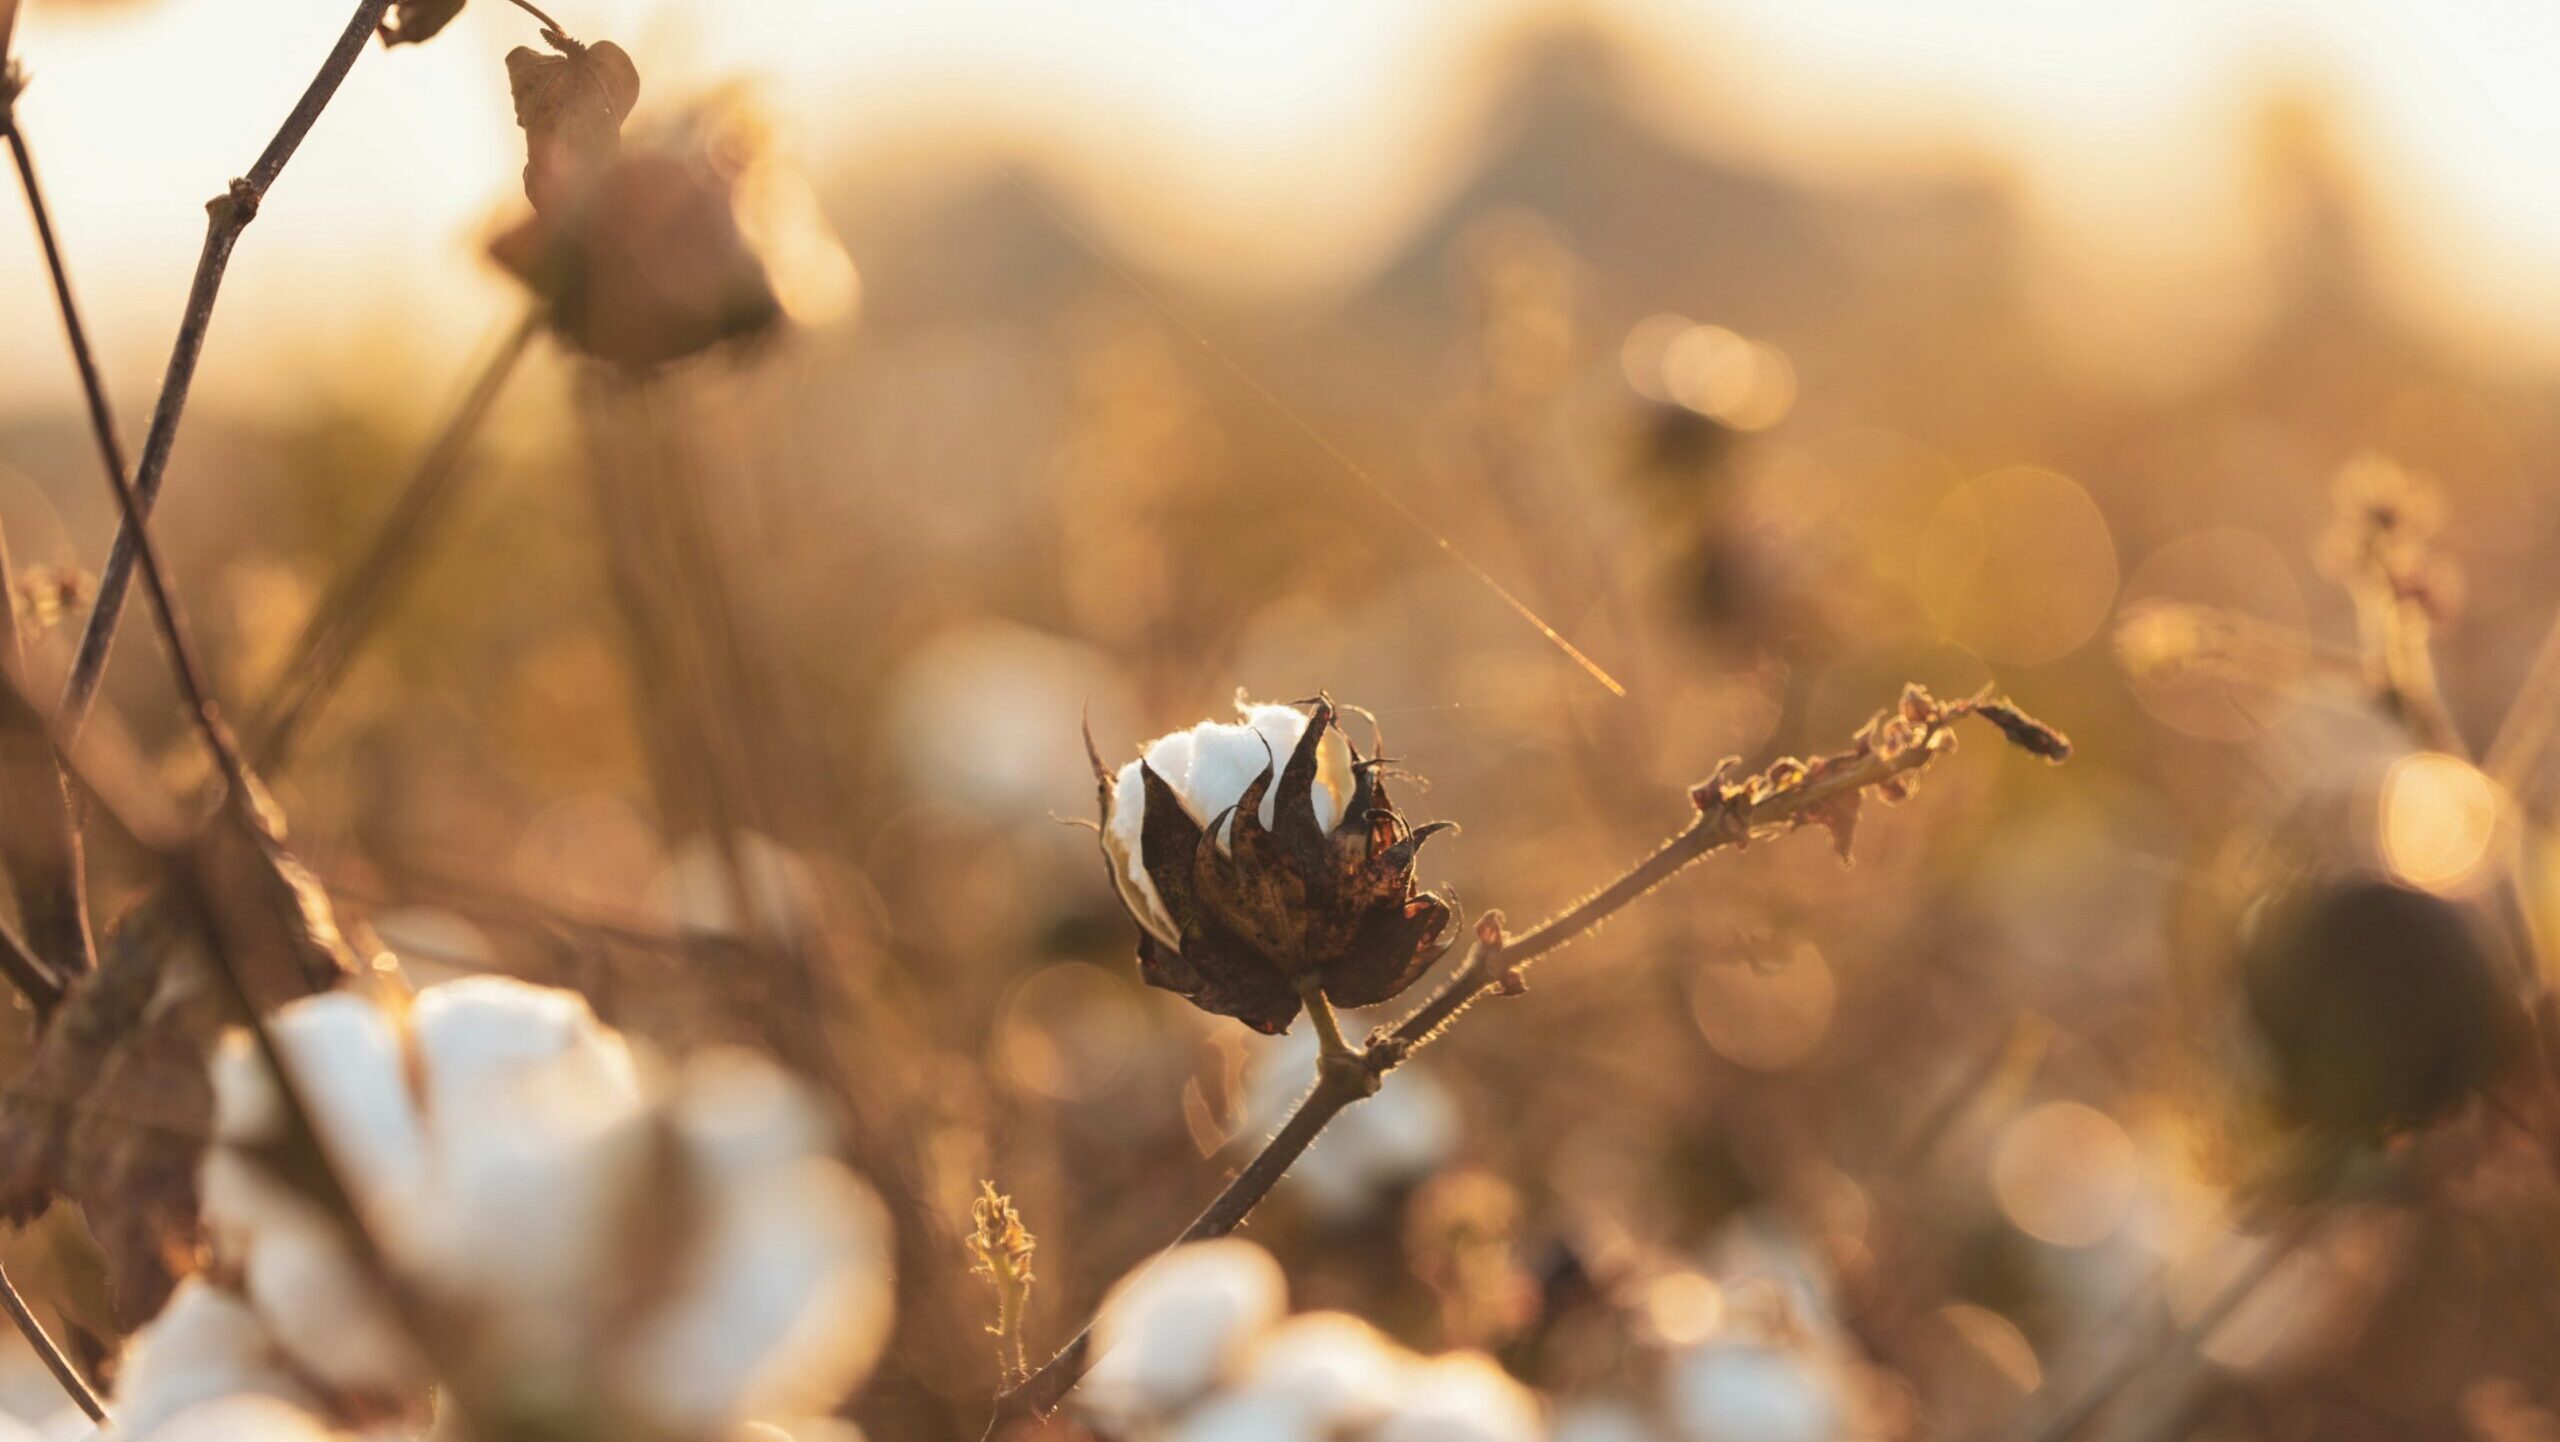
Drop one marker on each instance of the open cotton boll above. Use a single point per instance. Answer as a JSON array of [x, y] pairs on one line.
[[1340, 1370], [1460, 1397], [534, 1116], [1255, 1417], [345, 1056], [1746, 1392], [326, 1313], [782, 1306], [1179, 1324], [206, 1343], [1600, 1422], [1209, 766], [238, 1419]]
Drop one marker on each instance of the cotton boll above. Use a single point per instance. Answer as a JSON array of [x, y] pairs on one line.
[[1258, 1417], [1170, 1330], [534, 1116], [325, 1312], [1600, 1422], [477, 1035], [782, 1305], [1745, 1392], [736, 1111], [1339, 1368], [1461, 1397], [346, 1062], [696, 891], [205, 1343], [238, 1419]]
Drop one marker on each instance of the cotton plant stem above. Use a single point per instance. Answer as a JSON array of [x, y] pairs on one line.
[[358, 598], [1494, 962], [55, 1361], [228, 214], [2136, 1362]]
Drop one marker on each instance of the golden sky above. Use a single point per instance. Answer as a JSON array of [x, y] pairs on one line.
[[1289, 140]]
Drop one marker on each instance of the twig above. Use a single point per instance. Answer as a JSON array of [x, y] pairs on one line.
[[228, 214], [1731, 814], [2131, 1365], [54, 1360], [356, 600]]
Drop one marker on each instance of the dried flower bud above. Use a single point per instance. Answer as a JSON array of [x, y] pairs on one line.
[[666, 248], [412, 21], [1250, 892]]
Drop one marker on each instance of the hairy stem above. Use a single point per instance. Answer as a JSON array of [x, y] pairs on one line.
[[228, 214], [1726, 817]]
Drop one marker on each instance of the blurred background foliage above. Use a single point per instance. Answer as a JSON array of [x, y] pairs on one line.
[[1764, 446]]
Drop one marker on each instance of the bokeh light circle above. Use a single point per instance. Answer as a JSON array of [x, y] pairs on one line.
[[2018, 566], [2066, 1174], [2441, 819], [1766, 1018]]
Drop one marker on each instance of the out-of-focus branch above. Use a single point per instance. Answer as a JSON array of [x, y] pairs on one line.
[[356, 600], [51, 1352], [1733, 810], [228, 214]]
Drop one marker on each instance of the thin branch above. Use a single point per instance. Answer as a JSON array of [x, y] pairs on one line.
[[228, 215], [1731, 813], [356, 600], [45, 1348]]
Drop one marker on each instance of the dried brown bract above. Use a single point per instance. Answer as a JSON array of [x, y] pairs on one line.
[[1250, 908], [1885, 756]]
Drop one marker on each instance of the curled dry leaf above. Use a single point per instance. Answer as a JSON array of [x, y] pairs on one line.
[[412, 21], [571, 105], [113, 1111]]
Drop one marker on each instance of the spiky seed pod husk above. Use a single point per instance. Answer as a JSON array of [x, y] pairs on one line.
[[1246, 915], [2380, 1007]]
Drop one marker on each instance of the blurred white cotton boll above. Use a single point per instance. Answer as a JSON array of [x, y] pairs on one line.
[[783, 1305], [974, 718], [1178, 1325], [698, 893], [503, 1143], [1253, 1417], [238, 1419], [1601, 1422], [1746, 1392], [205, 1344], [1406, 1132], [1340, 1369], [1460, 1397]]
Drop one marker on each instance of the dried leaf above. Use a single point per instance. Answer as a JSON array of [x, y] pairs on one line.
[[571, 105], [412, 21]]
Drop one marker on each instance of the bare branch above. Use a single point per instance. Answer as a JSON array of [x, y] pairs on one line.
[[1732, 811], [228, 215]]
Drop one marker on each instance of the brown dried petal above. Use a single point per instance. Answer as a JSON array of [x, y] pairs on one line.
[[1295, 821], [1220, 974], [1167, 840], [1394, 947]]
